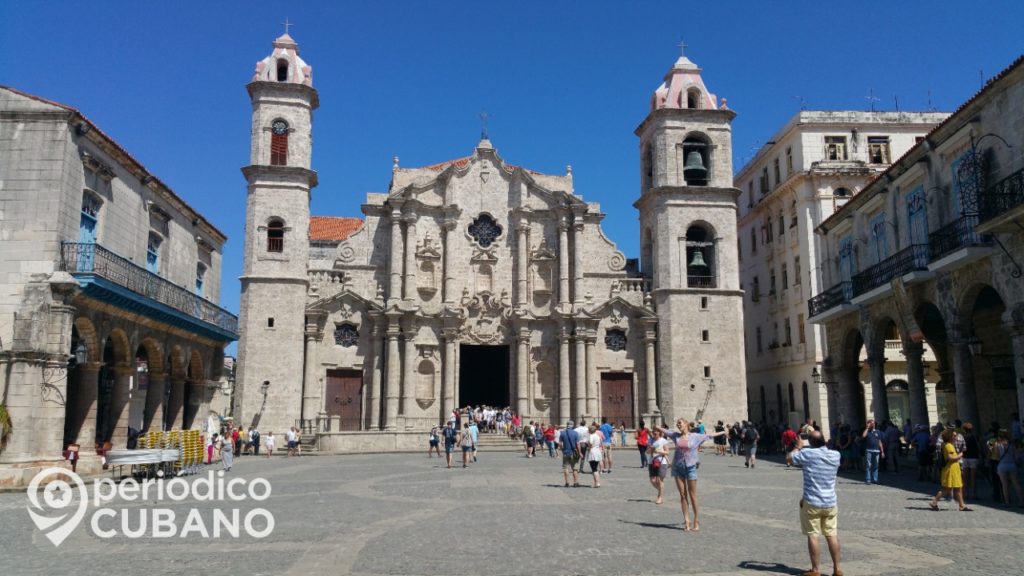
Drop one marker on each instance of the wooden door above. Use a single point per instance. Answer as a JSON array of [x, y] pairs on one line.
[[344, 397], [617, 398]]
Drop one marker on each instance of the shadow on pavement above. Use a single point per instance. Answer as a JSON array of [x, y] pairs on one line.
[[769, 567], [664, 526]]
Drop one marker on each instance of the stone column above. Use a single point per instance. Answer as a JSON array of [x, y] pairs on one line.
[[564, 382], [373, 406], [523, 373], [118, 433], [153, 416], [563, 265], [580, 393], [880, 400], [409, 374], [577, 259], [87, 378], [522, 262], [650, 372], [409, 293], [395, 287], [963, 374], [448, 384], [593, 406], [312, 388], [394, 363], [176, 403], [1016, 331], [448, 277], [915, 382]]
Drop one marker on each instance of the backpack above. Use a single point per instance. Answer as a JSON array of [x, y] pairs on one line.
[[749, 435]]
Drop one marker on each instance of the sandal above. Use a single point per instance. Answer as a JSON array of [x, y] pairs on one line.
[[966, 509], [933, 506], [810, 573]]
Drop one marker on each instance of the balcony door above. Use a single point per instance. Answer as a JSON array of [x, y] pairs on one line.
[[917, 217], [847, 265], [879, 242]]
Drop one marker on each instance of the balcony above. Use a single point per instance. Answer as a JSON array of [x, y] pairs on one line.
[[957, 244], [873, 283], [107, 277], [1000, 205], [830, 303]]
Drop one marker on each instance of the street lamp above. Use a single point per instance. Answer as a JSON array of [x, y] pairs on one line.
[[815, 375], [81, 353], [974, 344]]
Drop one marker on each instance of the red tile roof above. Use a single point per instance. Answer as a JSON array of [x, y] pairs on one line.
[[333, 228]]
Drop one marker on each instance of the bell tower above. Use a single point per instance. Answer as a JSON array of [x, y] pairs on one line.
[[274, 279], [688, 217]]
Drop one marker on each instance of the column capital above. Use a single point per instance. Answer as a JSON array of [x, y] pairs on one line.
[[450, 334], [449, 224], [913, 350], [410, 218], [393, 334]]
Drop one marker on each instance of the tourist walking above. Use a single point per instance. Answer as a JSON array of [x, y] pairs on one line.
[[1009, 454], [658, 468], [226, 450], [685, 462], [950, 479], [594, 455], [874, 450], [971, 460], [451, 436], [643, 439], [892, 446], [607, 435], [290, 442], [735, 436], [921, 443], [750, 438], [254, 441], [550, 434], [434, 442], [622, 433], [568, 443], [529, 440], [268, 443], [467, 443], [583, 442], [819, 509], [720, 441], [474, 431]]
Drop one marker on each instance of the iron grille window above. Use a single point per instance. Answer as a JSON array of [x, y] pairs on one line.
[[615, 340], [485, 230], [346, 335]]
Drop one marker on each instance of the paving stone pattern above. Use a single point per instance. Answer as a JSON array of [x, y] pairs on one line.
[[405, 514]]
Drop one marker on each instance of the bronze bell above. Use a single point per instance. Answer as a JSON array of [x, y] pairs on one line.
[[694, 168], [698, 259]]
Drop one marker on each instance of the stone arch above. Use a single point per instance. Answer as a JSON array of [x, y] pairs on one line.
[[700, 144], [885, 328], [122, 347], [694, 98], [175, 398], [968, 301], [195, 374], [176, 362], [88, 335], [701, 255], [850, 389], [156, 377], [990, 344]]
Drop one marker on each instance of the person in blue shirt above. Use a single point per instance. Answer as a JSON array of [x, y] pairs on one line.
[[608, 431], [874, 450], [451, 437], [568, 442], [819, 510]]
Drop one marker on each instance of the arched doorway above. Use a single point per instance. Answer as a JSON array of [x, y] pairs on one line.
[[937, 368], [995, 377], [853, 376]]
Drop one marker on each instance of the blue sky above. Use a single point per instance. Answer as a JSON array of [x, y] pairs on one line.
[[563, 82]]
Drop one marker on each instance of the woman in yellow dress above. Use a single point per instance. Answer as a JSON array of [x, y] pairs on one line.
[[950, 479]]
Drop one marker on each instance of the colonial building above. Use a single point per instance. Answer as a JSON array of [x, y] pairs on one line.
[[808, 169], [477, 281], [930, 253], [108, 292]]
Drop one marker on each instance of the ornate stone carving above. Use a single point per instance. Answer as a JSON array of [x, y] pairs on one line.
[[346, 253], [616, 262], [486, 318]]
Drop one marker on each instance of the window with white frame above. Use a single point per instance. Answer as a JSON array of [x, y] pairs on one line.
[[835, 148]]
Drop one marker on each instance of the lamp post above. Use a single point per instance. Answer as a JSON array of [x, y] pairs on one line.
[[264, 388]]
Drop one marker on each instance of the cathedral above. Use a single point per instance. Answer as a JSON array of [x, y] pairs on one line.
[[478, 281]]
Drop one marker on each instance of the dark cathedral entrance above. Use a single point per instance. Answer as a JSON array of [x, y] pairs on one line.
[[483, 375]]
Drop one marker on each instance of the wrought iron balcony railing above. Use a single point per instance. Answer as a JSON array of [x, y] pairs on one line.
[[911, 258], [830, 298], [1002, 197], [83, 258], [956, 235]]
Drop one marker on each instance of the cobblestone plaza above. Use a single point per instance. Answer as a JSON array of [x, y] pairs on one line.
[[405, 514]]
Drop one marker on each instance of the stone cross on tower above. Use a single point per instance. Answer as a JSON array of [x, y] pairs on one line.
[[483, 125], [287, 25], [682, 47]]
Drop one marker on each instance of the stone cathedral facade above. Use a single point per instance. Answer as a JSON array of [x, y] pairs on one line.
[[477, 281]]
